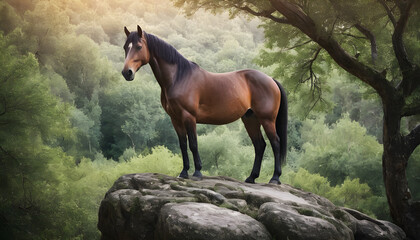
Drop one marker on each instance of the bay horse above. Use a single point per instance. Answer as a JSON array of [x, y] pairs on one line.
[[191, 95]]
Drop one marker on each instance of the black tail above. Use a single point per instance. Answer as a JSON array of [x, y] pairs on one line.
[[281, 123]]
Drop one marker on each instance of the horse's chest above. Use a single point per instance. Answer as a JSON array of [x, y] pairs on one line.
[[172, 105]]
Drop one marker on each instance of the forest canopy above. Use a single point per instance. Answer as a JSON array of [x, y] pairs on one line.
[[70, 125]]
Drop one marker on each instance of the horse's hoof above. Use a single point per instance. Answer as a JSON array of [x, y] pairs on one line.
[[197, 176], [183, 175], [275, 181], [250, 180]]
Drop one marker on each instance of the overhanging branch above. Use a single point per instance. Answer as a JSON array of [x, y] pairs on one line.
[[266, 14], [371, 37], [388, 12], [296, 16], [299, 45], [314, 80], [397, 39], [353, 36], [299, 19], [312, 76]]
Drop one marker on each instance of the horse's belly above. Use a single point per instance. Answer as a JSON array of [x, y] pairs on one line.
[[221, 113]]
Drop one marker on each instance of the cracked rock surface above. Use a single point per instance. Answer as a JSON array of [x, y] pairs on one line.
[[156, 206]]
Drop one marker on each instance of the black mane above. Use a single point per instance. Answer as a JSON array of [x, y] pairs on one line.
[[159, 48]]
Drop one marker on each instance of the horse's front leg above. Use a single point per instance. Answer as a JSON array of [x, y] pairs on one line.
[[182, 137], [191, 127]]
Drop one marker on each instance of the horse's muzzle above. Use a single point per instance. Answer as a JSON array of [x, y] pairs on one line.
[[128, 74]]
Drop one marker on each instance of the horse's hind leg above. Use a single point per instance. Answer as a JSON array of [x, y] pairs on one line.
[[270, 129], [253, 127]]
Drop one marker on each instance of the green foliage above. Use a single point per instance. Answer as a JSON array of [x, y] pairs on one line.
[[356, 100], [351, 193], [70, 125], [8, 18], [224, 154], [342, 150], [32, 121], [127, 155], [74, 198], [309, 182], [356, 195], [413, 174], [161, 160], [133, 117]]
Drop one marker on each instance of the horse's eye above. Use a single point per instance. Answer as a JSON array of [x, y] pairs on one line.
[[138, 48]]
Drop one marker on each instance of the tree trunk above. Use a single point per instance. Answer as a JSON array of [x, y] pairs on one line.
[[394, 164], [397, 148], [90, 145], [132, 142]]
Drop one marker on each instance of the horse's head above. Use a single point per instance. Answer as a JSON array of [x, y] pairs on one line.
[[136, 53]]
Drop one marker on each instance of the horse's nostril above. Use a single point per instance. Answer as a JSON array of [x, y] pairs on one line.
[[128, 74]]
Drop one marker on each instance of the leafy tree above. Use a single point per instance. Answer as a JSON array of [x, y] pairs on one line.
[[78, 60], [127, 155], [160, 160], [41, 32], [94, 32], [413, 174], [64, 58], [356, 100], [356, 195], [87, 131], [131, 113], [32, 121], [309, 182], [8, 18], [373, 40], [223, 153], [351, 193], [344, 151]]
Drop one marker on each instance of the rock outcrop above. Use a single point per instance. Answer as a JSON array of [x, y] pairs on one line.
[[155, 206]]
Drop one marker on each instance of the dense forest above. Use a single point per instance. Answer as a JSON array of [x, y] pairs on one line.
[[70, 124]]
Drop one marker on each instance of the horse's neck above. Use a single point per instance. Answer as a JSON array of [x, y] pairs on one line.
[[163, 71]]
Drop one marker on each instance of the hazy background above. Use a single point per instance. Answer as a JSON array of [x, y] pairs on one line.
[[70, 125]]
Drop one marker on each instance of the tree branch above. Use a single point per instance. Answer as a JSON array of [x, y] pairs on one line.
[[297, 18], [10, 155], [410, 111], [412, 140], [299, 45], [4, 106], [312, 75], [371, 37], [353, 36], [410, 82], [314, 79], [389, 12], [266, 14], [397, 39]]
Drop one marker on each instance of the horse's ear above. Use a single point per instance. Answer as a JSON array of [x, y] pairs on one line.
[[139, 31], [126, 31]]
